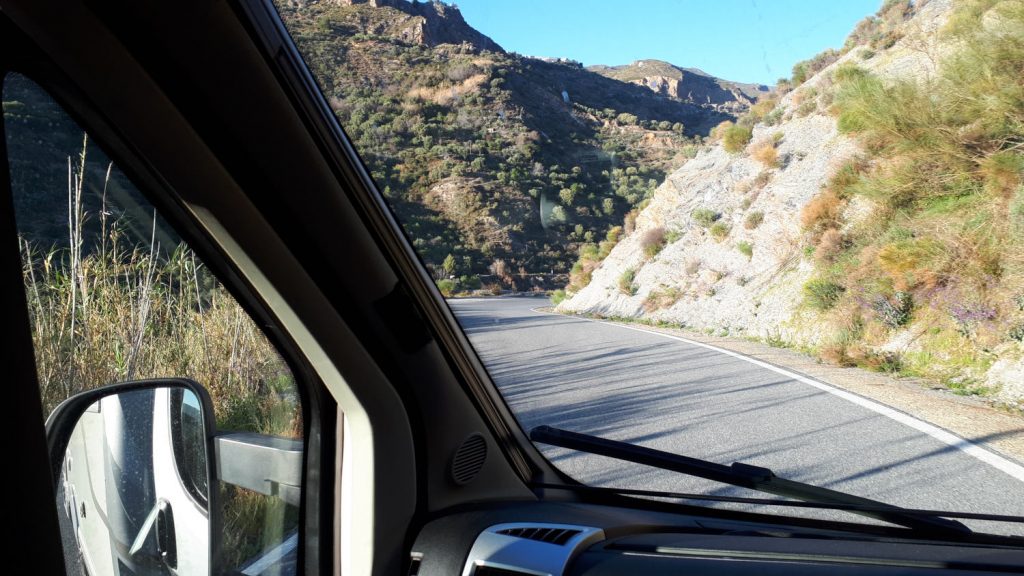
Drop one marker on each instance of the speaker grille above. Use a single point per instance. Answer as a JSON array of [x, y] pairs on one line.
[[469, 459]]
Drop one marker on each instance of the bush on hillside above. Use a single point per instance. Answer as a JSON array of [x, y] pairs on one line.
[[653, 241], [626, 284], [821, 294], [705, 216], [719, 230], [557, 297], [447, 287], [765, 152], [736, 137], [823, 211]]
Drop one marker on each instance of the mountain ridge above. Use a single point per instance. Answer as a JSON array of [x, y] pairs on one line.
[[686, 84], [505, 163]]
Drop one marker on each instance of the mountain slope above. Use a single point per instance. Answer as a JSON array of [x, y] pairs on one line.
[[504, 162], [876, 216]]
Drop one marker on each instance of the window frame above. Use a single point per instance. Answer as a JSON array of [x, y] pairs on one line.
[[270, 33], [19, 55]]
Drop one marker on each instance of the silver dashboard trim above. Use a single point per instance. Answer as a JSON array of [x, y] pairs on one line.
[[525, 555]]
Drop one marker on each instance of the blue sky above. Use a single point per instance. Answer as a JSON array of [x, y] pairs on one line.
[[742, 40]]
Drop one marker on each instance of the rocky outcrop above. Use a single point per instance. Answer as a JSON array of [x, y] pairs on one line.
[[704, 281], [686, 84], [1006, 377], [427, 23], [745, 276]]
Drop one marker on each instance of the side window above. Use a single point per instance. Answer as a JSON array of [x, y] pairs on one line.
[[116, 295]]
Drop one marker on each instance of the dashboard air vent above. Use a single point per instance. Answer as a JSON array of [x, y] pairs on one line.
[[551, 535], [493, 571]]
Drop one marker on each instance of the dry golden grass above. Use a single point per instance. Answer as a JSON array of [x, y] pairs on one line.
[[765, 152], [662, 297], [718, 131], [830, 245], [103, 311], [762, 108], [821, 212], [653, 241], [836, 354]]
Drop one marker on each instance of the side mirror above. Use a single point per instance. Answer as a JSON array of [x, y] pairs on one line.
[[133, 465]]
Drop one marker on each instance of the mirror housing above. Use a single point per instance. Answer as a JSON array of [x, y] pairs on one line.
[[62, 421], [134, 465]]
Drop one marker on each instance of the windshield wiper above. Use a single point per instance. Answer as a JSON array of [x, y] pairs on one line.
[[745, 476]]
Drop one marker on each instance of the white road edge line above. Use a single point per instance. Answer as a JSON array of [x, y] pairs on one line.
[[998, 462]]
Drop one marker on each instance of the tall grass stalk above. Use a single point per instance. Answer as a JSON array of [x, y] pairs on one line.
[[104, 309]]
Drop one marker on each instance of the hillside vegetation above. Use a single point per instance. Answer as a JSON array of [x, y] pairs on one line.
[[872, 214], [942, 168], [505, 163]]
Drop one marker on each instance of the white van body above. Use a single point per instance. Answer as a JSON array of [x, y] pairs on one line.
[[128, 497]]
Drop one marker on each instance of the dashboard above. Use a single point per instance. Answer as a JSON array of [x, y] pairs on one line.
[[582, 539]]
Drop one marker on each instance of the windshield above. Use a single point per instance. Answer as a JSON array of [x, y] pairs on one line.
[[786, 234]]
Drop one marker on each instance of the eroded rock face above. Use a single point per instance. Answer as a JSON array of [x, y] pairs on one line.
[[707, 282], [434, 23], [699, 90], [686, 84], [713, 283]]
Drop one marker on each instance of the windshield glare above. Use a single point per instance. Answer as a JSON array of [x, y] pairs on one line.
[[785, 234]]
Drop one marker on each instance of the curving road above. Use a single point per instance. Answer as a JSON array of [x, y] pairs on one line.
[[641, 387]]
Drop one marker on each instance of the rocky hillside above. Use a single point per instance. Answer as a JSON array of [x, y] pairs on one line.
[[496, 164], [875, 216], [686, 84]]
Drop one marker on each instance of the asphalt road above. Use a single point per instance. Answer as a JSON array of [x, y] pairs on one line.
[[639, 387]]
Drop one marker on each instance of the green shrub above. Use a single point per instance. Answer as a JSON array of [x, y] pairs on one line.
[[557, 297], [799, 73], [626, 284], [822, 294], [719, 230], [773, 117], [626, 118], [753, 220], [468, 282], [745, 248], [447, 286], [736, 137], [705, 216]]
